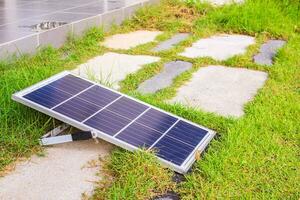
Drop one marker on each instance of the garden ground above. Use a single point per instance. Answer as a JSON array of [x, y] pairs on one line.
[[255, 156]]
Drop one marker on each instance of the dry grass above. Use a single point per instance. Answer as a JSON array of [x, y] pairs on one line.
[[175, 16]]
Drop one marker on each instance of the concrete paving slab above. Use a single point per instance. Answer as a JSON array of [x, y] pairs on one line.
[[267, 52], [111, 68], [170, 43], [222, 2], [130, 40], [219, 47], [65, 172], [222, 90], [165, 78]]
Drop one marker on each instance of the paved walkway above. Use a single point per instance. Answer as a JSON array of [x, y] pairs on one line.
[[129, 40], [220, 89], [111, 68], [219, 47], [65, 172]]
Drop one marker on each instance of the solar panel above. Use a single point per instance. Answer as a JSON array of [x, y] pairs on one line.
[[118, 118]]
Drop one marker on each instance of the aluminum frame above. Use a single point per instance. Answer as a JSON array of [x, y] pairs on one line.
[[183, 168]]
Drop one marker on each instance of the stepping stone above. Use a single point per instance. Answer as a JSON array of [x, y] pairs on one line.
[[111, 68], [219, 47], [65, 172], [222, 2], [165, 78], [267, 52], [222, 90], [170, 43], [130, 40], [170, 195]]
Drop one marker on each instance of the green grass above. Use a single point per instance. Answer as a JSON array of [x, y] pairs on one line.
[[255, 157], [136, 175], [20, 127]]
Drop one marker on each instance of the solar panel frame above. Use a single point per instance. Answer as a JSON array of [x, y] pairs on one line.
[[183, 168]]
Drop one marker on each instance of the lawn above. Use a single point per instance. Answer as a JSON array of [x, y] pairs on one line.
[[254, 157]]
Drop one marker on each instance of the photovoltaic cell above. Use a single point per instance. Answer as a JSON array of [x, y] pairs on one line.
[[120, 118], [107, 122], [139, 135], [172, 150], [98, 96], [157, 120], [58, 91], [187, 133], [127, 108], [71, 84], [47, 96], [77, 108]]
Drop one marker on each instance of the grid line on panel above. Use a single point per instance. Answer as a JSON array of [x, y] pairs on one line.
[[185, 144], [68, 87], [135, 121], [128, 108], [187, 133], [139, 135], [45, 93], [131, 122], [89, 101], [52, 96], [173, 150], [102, 109], [99, 96], [77, 109], [157, 120], [176, 147], [146, 126], [68, 82], [151, 116], [47, 96], [107, 122], [164, 133], [179, 140], [72, 97]]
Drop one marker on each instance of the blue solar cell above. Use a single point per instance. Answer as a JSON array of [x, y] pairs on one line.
[[47, 96], [127, 108], [124, 119], [70, 84], [187, 133], [157, 120], [77, 109], [139, 135], [99, 96], [107, 122], [172, 150]]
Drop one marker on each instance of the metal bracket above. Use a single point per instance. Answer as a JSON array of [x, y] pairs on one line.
[[52, 137], [56, 131]]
